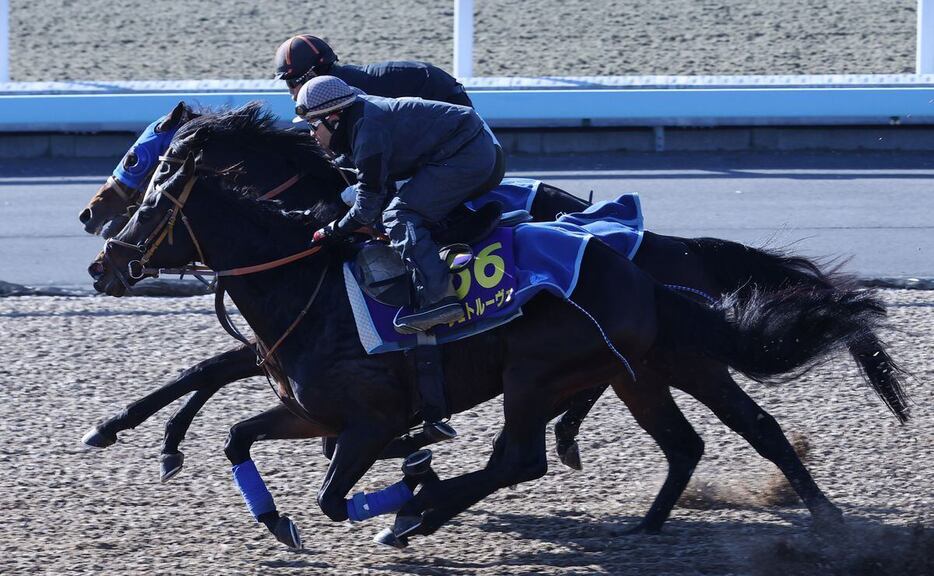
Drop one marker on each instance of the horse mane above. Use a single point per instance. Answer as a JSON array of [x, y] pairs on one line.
[[253, 126]]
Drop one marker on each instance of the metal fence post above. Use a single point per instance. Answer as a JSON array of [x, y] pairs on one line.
[[463, 38], [925, 49], [4, 40]]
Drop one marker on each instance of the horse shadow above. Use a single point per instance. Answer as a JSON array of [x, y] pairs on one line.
[[576, 542]]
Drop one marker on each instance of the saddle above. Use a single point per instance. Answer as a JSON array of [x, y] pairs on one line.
[[382, 275]]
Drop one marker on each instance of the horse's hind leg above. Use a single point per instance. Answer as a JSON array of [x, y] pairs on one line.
[[278, 423], [736, 409], [650, 402], [218, 370]]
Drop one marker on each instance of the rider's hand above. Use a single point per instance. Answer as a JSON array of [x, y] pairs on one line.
[[328, 235]]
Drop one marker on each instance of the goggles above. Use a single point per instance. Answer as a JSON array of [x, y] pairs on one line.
[[299, 80]]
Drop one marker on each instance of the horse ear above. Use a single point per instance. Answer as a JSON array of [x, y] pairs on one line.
[[176, 117]]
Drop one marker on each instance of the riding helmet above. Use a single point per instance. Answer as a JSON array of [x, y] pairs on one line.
[[299, 54], [323, 95]]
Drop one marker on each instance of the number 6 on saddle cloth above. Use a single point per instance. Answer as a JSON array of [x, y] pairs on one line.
[[494, 275]]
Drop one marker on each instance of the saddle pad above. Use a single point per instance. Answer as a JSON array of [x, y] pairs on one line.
[[511, 266], [513, 193]]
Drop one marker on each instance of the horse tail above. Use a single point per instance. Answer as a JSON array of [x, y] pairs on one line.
[[743, 271], [769, 334]]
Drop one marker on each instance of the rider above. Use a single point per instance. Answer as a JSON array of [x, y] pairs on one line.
[[301, 58], [448, 156]]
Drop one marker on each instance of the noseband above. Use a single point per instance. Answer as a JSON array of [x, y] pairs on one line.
[[136, 269]]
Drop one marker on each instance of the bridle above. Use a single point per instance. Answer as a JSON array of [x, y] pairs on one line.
[[137, 269]]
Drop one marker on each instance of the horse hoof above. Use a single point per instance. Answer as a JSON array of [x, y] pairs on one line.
[[97, 438], [387, 538], [417, 463], [287, 532], [571, 456], [170, 465], [406, 525]]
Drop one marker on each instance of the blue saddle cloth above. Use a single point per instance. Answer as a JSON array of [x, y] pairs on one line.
[[510, 267]]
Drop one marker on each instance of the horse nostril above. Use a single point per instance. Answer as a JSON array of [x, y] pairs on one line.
[[85, 216]]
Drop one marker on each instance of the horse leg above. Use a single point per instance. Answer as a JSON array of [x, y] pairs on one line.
[[279, 423], [172, 459], [518, 456], [215, 371], [356, 450], [567, 428], [655, 410], [737, 410]]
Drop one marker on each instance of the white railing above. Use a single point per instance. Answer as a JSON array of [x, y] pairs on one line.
[[463, 38], [4, 40], [924, 61]]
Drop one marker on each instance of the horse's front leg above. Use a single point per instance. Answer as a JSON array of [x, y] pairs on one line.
[[567, 428], [172, 459], [358, 447], [519, 456], [278, 423], [218, 370]]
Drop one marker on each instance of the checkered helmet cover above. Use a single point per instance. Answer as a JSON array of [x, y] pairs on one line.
[[325, 94]]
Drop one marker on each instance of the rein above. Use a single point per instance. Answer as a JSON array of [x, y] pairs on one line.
[[165, 230]]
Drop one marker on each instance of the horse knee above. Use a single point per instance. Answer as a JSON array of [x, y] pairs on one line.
[[333, 506], [237, 446]]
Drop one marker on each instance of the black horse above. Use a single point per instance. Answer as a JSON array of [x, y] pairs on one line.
[[538, 361], [252, 153]]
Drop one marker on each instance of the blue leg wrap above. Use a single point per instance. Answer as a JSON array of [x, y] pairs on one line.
[[251, 486], [391, 499]]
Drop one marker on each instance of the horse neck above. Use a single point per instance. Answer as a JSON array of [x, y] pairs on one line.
[[271, 301]]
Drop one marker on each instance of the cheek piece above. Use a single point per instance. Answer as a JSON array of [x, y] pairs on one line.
[[148, 147]]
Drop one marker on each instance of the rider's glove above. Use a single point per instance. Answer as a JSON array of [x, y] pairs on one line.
[[329, 235]]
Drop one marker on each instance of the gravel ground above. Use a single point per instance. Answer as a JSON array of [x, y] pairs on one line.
[[67, 362], [165, 39]]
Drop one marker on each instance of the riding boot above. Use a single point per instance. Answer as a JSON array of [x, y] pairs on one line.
[[429, 373], [426, 316]]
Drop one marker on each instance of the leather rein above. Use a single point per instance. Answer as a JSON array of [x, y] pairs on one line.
[[136, 269]]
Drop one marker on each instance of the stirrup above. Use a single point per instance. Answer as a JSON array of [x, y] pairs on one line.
[[439, 431], [448, 309]]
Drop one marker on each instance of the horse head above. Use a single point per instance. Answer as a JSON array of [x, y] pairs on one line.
[[157, 235], [115, 201]]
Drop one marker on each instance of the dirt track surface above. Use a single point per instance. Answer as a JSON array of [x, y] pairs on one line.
[[164, 39], [67, 362]]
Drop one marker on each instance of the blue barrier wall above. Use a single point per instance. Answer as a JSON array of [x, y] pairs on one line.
[[643, 101]]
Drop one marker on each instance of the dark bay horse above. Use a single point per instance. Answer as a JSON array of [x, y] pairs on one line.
[[711, 266], [668, 340]]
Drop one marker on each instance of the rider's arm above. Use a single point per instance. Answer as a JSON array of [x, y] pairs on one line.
[[372, 160]]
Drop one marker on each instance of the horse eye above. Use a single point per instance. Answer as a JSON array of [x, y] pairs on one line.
[[130, 160]]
